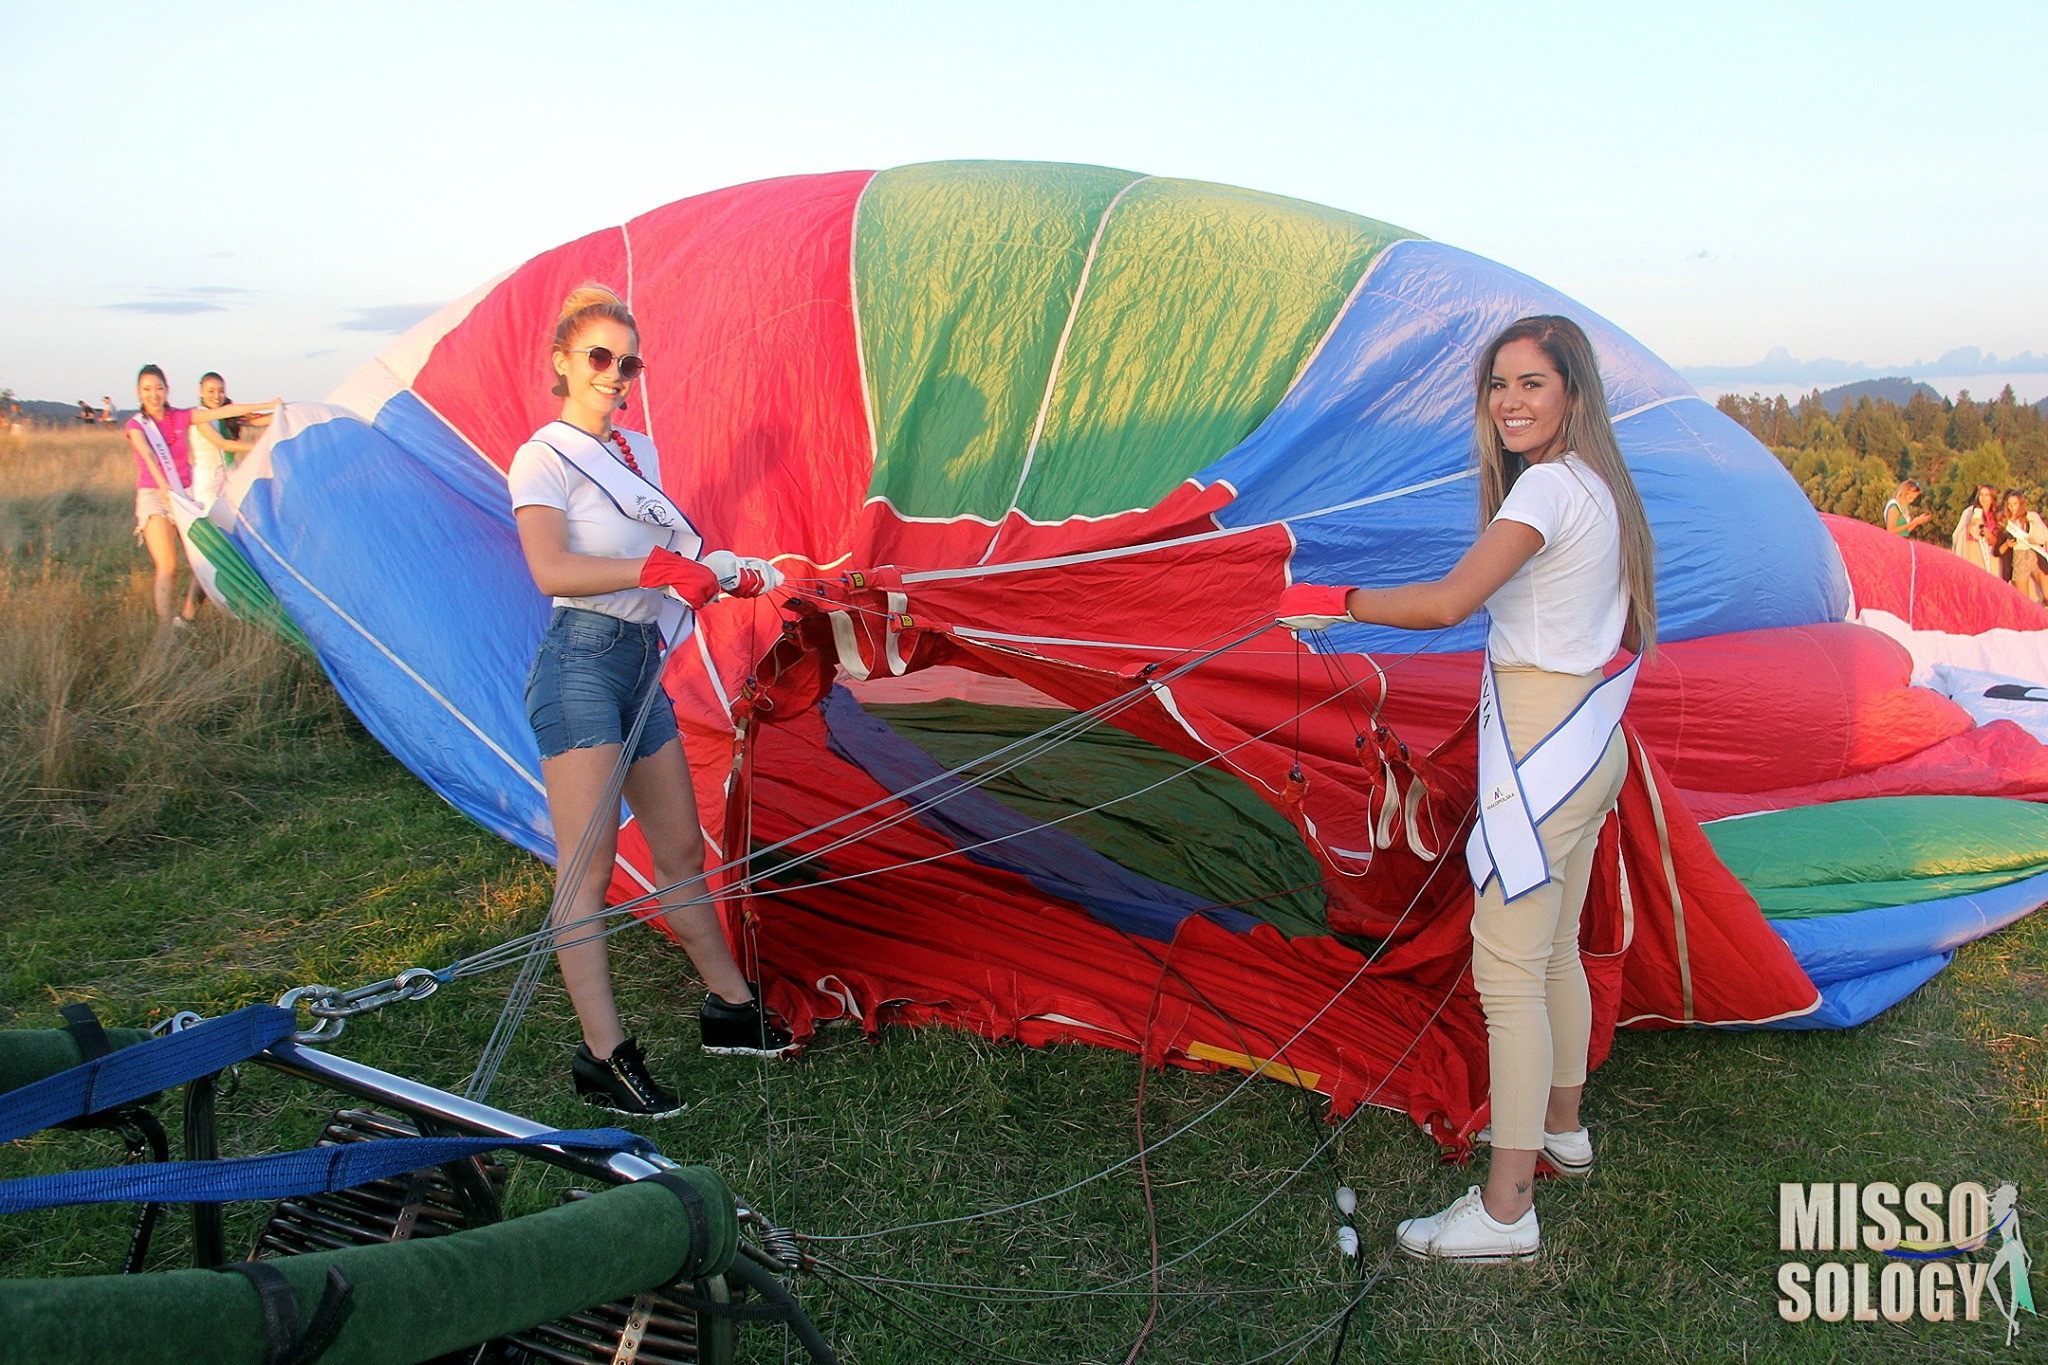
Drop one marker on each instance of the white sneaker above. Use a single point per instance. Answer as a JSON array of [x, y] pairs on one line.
[[1467, 1233], [1568, 1154]]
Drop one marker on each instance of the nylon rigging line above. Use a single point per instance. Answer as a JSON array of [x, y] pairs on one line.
[[461, 969], [1107, 709], [1052, 736], [1254, 1074], [519, 999], [1249, 1077], [1158, 1267], [512, 948], [1068, 728]]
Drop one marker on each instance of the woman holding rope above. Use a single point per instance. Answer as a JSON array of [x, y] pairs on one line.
[[163, 462], [622, 563], [1565, 567]]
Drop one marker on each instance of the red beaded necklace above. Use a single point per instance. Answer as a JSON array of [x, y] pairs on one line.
[[626, 452]]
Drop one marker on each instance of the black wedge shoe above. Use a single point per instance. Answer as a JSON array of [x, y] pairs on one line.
[[621, 1084], [730, 1030]]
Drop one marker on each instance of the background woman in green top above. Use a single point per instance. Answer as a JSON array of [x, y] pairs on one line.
[[1896, 518]]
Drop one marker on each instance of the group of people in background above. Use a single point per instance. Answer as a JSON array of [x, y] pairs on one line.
[[183, 455], [1999, 533]]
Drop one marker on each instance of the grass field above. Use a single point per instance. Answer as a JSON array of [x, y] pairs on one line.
[[197, 824]]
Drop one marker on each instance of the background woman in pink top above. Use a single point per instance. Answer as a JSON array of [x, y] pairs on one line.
[[157, 477]]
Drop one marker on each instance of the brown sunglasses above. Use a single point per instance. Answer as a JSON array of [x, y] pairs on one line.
[[631, 367]]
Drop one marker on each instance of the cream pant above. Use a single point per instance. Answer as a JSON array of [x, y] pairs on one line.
[[1525, 956]]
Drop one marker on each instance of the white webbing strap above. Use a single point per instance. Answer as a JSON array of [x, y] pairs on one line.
[[899, 606]]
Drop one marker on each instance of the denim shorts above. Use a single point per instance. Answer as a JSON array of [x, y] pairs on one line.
[[589, 679]]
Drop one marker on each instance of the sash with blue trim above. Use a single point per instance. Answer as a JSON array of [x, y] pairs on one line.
[[635, 497], [1514, 798]]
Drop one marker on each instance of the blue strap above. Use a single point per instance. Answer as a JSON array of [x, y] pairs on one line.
[[146, 1068], [282, 1175]]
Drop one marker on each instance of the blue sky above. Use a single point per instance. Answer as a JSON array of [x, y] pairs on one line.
[[273, 190]]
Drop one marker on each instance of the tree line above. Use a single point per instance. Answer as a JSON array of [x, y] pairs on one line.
[[1852, 461]]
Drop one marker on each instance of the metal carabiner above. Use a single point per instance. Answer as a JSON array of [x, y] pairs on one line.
[[417, 983], [177, 1023], [327, 1027]]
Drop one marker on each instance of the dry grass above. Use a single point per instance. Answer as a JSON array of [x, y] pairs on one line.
[[105, 721]]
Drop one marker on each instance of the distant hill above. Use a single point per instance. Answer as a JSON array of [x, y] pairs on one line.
[[1781, 367], [1892, 390]]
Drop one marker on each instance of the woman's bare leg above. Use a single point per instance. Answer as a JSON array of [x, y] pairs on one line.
[[658, 789], [1561, 1115], [1510, 1184], [161, 538], [576, 784]]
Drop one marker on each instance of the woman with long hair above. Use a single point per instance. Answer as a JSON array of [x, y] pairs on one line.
[[160, 435], [1976, 535], [1565, 567], [626, 584], [2022, 545], [1899, 517], [215, 440]]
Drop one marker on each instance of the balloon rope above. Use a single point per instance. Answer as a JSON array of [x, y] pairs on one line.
[[1013, 755], [1167, 653], [527, 983], [1250, 1076], [490, 959], [493, 958]]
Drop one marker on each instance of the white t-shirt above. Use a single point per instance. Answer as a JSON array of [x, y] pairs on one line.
[[1565, 610], [209, 461], [541, 478]]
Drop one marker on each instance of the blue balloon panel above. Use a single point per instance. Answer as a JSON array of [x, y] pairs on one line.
[[388, 565], [1369, 460]]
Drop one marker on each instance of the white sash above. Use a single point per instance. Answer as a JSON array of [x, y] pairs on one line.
[[2022, 535], [635, 497], [1514, 798], [185, 510], [162, 450]]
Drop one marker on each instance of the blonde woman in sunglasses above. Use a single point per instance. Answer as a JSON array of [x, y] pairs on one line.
[[627, 572]]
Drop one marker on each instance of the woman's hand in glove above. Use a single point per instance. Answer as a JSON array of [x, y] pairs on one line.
[[741, 575]]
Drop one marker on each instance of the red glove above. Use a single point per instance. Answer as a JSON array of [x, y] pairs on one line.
[[1312, 606], [690, 582]]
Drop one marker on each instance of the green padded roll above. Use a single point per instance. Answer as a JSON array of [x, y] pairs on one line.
[[28, 1055], [413, 1300]]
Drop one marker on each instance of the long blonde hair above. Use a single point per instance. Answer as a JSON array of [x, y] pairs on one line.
[[1587, 433]]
